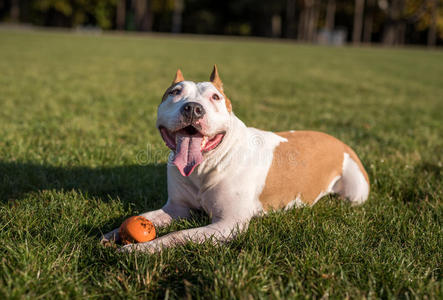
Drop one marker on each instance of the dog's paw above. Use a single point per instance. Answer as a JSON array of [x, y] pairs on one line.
[[140, 247], [110, 238]]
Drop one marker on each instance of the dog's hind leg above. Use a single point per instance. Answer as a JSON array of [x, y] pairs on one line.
[[354, 183]]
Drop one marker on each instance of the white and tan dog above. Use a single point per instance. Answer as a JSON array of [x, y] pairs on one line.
[[234, 172]]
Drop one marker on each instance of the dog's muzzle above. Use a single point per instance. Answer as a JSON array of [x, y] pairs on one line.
[[192, 111]]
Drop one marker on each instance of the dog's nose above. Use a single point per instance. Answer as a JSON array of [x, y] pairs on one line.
[[192, 111]]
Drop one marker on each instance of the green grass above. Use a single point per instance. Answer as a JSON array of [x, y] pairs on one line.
[[79, 153]]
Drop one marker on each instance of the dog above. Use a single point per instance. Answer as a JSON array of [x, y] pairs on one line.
[[234, 172]]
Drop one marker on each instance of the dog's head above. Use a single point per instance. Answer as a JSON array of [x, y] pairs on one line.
[[193, 119]]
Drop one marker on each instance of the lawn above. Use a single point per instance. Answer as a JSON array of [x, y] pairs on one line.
[[79, 153]]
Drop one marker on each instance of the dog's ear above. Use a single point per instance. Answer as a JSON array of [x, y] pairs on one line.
[[178, 77], [215, 79]]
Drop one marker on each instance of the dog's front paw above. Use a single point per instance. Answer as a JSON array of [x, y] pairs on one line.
[[110, 237], [140, 247]]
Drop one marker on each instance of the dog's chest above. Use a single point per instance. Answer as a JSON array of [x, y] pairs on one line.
[[234, 180]]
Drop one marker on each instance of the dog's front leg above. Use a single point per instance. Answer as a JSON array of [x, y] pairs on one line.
[[218, 231], [160, 217]]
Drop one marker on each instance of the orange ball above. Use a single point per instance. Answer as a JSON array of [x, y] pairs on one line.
[[136, 229]]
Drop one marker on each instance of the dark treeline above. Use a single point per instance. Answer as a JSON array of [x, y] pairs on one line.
[[391, 22]]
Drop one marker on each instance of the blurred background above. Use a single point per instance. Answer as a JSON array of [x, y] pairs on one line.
[[337, 22]]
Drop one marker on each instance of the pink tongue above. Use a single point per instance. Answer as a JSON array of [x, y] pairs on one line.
[[187, 153]]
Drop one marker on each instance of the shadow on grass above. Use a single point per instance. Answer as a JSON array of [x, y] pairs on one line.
[[431, 169], [422, 184], [128, 183]]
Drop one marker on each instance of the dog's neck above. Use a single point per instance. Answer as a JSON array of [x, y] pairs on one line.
[[222, 155]]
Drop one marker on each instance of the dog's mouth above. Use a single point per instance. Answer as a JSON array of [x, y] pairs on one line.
[[189, 144]]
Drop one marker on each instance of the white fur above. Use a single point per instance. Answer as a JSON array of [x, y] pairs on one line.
[[297, 203], [353, 184]]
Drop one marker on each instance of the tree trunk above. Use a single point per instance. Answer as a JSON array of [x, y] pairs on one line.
[[389, 34], [121, 15], [276, 26], [401, 32], [301, 35], [177, 16], [392, 34], [142, 15], [369, 20], [290, 18], [307, 21], [312, 21], [330, 15], [15, 10], [432, 33], [358, 21]]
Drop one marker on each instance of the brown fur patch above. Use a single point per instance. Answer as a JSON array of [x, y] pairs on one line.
[[216, 81], [178, 77], [304, 166]]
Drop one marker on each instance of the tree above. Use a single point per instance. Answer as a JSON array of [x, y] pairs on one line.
[[303, 20], [369, 19], [15, 10], [142, 15], [330, 15], [358, 21], [394, 29], [71, 13], [307, 28], [121, 14], [290, 18], [177, 16], [313, 21], [432, 33]]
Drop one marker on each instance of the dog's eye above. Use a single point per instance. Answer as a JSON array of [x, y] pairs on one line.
[[215, 97], [175, 92]]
